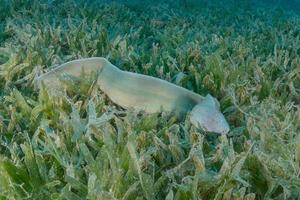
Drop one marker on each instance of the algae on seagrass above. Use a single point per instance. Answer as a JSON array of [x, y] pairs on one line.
[[87, 147]]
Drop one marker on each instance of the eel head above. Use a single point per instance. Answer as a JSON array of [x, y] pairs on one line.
[[207, 116]]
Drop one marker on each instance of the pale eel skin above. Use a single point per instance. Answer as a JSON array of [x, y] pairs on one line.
[[141, 92]]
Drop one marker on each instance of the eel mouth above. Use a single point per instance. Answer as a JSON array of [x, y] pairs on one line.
[[215, 123], [207, 116]]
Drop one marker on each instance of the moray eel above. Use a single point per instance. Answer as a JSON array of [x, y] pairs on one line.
[[142, 92]]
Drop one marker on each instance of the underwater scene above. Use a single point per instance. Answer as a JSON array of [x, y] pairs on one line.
[[149, 99]]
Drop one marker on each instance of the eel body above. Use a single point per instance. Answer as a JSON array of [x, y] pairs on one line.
[[132, 90]]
